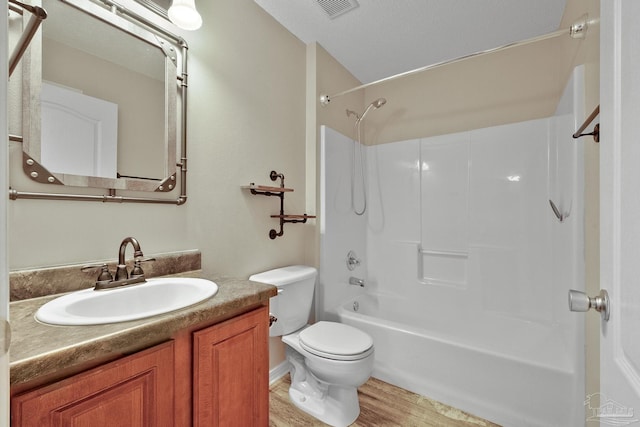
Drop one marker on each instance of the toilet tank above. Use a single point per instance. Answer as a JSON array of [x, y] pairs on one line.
[[292, 305]]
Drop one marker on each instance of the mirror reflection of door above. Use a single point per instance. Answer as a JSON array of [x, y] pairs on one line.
[[94, 59], [79, 133]]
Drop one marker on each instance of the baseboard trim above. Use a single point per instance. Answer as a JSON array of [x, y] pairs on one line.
[[278, 372]]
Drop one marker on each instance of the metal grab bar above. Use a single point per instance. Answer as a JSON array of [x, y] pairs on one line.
[[38, 14]]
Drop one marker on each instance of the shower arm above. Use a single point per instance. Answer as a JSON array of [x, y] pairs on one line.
[[577, 30]]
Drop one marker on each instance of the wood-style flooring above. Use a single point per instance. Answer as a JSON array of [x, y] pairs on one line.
[[381, 404]]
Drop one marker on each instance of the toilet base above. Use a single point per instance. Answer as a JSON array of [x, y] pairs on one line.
[[333, 404], [339, 407]]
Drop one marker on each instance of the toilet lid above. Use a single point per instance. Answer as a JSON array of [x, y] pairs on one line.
[[336, 341]]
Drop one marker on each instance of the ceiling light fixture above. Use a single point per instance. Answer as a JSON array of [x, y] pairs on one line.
[[183, 13]]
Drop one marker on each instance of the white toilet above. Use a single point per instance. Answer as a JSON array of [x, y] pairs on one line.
[[329, 360]]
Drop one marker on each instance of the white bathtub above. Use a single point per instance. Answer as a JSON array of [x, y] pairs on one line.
[[513, 373]]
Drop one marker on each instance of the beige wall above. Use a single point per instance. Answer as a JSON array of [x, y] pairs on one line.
[[513, 85], [521, 83], [325, 75]]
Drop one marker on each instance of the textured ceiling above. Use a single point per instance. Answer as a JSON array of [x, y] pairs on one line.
[[380, 38]]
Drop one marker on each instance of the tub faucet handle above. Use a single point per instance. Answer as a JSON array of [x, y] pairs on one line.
[[352, 261]]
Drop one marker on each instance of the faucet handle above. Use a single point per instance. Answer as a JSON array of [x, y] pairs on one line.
[[137, 267], [104, 276], [352, 261]]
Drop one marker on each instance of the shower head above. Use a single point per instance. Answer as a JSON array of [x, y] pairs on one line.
[[375, 104]]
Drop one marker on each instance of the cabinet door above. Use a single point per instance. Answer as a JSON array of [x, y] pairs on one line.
[[231, 378], [136, 390]]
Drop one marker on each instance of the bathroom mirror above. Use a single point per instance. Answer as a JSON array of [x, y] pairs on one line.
[[103, 100]]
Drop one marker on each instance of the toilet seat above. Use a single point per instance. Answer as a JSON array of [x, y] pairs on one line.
[[336, 341]]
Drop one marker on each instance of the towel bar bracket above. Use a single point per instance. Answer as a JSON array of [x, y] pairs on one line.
[[596, 130]]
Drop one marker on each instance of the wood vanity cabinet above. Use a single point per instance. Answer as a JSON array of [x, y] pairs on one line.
[[216, 376], [230, 372], [136, 390]]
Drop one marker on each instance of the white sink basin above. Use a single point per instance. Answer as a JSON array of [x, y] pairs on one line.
[[155, 296]]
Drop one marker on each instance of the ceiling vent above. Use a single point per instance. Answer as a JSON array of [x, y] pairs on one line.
[[335, 8]]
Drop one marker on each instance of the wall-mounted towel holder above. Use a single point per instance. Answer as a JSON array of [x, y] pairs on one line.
[[596, 130], [578, 134], [561, 216], [265, 190]]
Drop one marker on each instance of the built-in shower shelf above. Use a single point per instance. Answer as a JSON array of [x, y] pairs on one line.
[[267, 190]]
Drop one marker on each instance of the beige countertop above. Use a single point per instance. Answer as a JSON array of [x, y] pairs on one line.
[[44, 351]]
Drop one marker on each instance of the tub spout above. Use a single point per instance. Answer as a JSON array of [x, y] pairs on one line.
[[356, 281]]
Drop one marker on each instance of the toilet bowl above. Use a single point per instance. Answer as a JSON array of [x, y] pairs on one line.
[[328, 360]]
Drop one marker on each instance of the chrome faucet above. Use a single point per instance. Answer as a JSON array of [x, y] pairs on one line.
[[356, 281], [122, 277]]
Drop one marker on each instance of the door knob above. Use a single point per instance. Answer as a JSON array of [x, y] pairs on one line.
[[579, 301]]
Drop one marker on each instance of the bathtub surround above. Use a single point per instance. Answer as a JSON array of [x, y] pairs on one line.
[[465, 259]]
